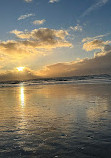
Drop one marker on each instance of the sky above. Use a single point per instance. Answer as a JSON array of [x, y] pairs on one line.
[[54, 38]]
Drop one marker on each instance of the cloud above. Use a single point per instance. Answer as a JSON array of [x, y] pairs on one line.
[[53, 1], [13, 75], [96, 44], [39, 22], [95, 6], [99, 64], [36, 41], [96, 65], [93, 38], [22, 17], [12, 47], [28, 1], [43, 34], [76, 28]]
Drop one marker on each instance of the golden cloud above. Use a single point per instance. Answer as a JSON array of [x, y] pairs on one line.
[[34, 41], [99, 64], [42, 34], [13, 75], [96, 65], [95, 44], [39, 22]]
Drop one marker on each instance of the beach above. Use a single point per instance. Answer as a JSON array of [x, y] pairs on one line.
[[55, 121]]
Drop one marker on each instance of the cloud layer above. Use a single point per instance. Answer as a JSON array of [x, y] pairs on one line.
[[34, 41], [99, 64], [13, 75]]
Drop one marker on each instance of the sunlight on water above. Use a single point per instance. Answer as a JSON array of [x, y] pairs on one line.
[[22, 97], [22, 123], [58, 120]]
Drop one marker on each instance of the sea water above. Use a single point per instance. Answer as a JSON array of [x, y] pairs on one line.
[[55, 120]]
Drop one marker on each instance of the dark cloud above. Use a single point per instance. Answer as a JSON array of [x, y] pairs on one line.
[[99, 64]]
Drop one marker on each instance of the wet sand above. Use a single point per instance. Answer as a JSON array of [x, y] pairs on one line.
[[64, 121]]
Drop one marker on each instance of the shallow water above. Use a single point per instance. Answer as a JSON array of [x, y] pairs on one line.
[[64, 121]]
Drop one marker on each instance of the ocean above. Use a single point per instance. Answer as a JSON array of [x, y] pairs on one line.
[[56, 118]]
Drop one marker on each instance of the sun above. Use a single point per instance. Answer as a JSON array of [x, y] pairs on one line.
[[20, 68]]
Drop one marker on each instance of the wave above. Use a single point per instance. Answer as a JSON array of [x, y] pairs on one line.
[[92, 79]]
